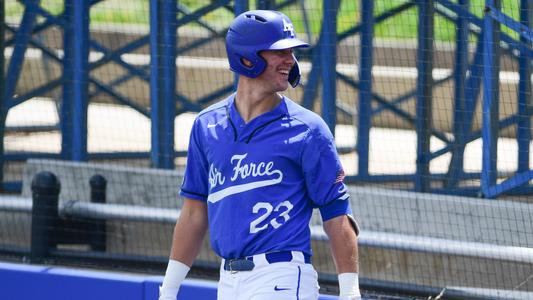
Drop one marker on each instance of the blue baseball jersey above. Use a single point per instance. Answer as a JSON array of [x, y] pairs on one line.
[[262, 179]]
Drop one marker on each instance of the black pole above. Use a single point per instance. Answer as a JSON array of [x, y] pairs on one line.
[[45, 195], [98, 185]]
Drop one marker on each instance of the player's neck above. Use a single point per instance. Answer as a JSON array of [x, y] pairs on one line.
[[251, 102]]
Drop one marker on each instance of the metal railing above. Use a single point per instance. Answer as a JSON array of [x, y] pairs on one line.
[[373, 239]]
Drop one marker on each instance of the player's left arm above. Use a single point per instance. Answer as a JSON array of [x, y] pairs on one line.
[[324, 183], [343, 242]]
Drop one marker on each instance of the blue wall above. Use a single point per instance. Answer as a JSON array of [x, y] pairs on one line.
[[21, 282]]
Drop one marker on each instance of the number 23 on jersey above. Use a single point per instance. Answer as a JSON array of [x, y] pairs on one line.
[[265, 210]]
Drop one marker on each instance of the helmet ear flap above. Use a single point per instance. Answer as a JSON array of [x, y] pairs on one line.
[[294, 74], [251, 65]]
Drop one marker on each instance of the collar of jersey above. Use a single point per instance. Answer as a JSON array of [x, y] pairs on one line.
[[244, 129]]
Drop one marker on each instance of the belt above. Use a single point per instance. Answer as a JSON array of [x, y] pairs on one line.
[[249, 262]]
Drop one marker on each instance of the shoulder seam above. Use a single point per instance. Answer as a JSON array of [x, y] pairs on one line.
[[309, 131], [304, 109], [203, 112]]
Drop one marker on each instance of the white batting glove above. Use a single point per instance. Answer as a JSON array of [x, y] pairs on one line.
[[349, 286], [176, 272]]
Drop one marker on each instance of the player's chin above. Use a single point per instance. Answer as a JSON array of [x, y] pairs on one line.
[[282, 85]]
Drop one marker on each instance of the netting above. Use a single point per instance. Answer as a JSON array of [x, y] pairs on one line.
[[425, 132]]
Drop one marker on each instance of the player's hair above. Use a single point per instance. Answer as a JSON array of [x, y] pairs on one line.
[[257, 30]]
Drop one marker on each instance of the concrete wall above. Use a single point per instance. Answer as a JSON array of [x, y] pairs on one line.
[[500, 222], [125, 185]]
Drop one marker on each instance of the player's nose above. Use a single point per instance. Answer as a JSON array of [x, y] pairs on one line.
[[288, 57]]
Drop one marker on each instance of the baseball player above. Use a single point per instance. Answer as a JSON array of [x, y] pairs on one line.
[[257, 166]]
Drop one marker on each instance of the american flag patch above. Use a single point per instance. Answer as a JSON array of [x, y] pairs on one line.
[[340, 176]]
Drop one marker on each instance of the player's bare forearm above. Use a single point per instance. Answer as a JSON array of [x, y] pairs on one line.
[[189, 231], [343, 243]]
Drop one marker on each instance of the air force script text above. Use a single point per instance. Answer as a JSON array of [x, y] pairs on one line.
[[262, 174]]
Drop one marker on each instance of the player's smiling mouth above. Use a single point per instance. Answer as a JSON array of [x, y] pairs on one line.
[[284, 72]]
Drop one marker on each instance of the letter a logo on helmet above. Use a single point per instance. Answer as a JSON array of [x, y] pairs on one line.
[[258, 30], [287, 27]]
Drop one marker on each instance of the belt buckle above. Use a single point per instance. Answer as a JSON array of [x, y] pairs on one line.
[[230, 265]]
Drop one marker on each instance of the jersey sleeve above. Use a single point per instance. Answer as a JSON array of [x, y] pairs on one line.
[[195, 180], [335, 208], [324, 174]]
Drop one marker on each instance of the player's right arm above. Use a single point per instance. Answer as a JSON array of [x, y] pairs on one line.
[[189, 233]]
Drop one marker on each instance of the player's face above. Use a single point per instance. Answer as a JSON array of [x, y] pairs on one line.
[[279, 64]]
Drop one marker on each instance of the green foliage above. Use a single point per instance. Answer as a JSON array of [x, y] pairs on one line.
[[14, 9], [116, 11], [401, 26]]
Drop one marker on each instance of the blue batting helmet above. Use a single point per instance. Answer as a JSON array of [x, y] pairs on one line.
[[257, 30]]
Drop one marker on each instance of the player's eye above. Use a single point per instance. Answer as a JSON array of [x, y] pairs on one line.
[[284, 52]]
